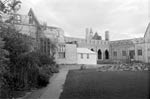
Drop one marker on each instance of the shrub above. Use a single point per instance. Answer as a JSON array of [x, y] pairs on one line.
[[83, 67], [42, 79], [54, 68]]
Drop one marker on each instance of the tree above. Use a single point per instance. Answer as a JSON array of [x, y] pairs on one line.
[[8, 10], [9, 6], [3, 63], [3, 58]]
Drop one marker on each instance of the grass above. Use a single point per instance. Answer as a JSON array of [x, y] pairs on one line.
[[91, 84]]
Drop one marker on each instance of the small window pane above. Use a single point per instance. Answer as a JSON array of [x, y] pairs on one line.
[[139, 52], [87, 56], [81, 55], [115, 53]]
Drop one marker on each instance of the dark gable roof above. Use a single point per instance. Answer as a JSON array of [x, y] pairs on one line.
[[97, 37], [34, 17]]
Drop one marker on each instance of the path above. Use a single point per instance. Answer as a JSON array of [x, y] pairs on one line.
[[54, 89]]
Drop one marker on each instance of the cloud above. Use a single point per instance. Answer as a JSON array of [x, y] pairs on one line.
[[124, 19]]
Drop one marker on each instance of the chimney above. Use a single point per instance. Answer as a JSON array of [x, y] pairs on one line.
[[107, 35]]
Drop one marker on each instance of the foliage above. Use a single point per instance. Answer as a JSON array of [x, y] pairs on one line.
[[3, 58], [43, 77], [45, 59], [3, 65], [27, 67], [9, 6]]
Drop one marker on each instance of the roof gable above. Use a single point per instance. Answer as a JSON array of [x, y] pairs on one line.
[[147, 33], [97, 37], [33, 16]]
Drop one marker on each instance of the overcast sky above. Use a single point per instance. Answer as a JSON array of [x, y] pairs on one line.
[[123, 18]]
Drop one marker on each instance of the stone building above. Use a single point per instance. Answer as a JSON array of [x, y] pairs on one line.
[[137, 49]]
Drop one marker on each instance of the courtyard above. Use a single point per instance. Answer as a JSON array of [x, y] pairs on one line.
[[93, 84]]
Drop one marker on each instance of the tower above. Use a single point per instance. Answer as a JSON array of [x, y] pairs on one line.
[[107, 35], [91, 33], [87, 33]]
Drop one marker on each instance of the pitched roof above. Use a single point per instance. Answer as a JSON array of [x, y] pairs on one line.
[[97, 37], [85, 50], [34, 17], [147, 30]]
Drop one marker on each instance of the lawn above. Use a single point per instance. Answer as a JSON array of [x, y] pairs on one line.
[[91, 84]]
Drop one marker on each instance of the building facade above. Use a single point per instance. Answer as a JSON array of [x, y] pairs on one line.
[[137, 49]]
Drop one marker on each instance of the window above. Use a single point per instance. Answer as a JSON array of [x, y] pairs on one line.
[[61, 54], [139, 52], [124, 53], [81, 55], [61, 51], [88, 56], [115, 53]]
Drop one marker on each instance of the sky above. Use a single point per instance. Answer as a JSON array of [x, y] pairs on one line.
[[124, 19]]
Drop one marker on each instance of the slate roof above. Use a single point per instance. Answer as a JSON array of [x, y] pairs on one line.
[[97, 37], [85, 50]]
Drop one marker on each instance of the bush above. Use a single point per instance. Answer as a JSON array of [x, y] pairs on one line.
[[27, 69], [54, 68], [83, 67], [43, 79]]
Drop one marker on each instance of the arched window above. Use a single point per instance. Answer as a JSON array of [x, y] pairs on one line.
[[99, 54], [106, 54]]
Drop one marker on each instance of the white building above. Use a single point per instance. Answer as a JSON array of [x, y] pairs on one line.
[[86, 56]]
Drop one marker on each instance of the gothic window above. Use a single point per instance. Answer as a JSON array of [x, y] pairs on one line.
[[99, 54], [106, 54]]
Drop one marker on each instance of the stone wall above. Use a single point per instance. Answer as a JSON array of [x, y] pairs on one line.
[[70, 55]]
